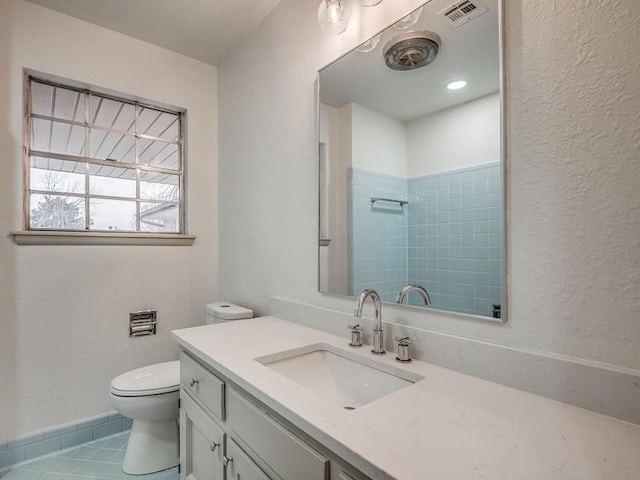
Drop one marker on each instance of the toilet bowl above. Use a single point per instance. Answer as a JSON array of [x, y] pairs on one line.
[[149, 395]]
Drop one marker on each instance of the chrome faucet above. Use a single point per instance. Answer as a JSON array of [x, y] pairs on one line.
[[412, 286], [378, 339]]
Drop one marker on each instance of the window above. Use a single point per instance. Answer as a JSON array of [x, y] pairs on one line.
[[100, 163]]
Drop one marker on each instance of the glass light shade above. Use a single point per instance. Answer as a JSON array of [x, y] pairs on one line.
[[369, 45], [369, 3], [408, 21], [333, 16]]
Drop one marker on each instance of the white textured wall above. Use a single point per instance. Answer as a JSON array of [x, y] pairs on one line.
[[64, 309], [459, 137], [379, 142], [573, 172]]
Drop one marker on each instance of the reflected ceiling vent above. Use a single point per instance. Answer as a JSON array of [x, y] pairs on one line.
[[462, 12], [411, 50]]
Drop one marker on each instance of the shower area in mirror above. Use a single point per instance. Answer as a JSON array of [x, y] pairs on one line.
[[421, 204], [447, 237]]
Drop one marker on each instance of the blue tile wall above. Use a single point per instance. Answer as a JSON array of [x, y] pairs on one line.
[[448, 239], [455, 238], [61, 437], [378, 233]]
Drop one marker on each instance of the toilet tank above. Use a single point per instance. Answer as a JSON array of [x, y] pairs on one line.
[[223, 311]]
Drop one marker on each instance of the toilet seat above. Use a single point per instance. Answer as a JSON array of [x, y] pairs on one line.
[[151, 380]]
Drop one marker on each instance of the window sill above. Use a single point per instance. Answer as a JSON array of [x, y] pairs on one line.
[[32, 237]]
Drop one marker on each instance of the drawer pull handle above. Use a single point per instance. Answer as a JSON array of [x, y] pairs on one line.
[[226, 460], [193, 382], [213, 445]]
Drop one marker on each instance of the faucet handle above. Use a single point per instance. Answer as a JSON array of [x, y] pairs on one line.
[[356, 335], [403, 348]]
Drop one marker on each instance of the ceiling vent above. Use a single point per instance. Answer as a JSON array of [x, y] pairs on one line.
[[462, 12], [411, 50]]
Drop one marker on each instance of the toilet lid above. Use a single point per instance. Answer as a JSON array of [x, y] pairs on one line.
[[150, 380]]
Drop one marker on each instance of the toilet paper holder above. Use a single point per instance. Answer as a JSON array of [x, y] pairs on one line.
[[142, 322]]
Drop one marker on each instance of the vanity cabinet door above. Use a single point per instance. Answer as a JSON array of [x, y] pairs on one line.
[[201, 443], [240, 466], [345, 476]]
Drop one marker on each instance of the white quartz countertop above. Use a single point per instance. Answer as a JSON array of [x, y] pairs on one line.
[[448, 426]]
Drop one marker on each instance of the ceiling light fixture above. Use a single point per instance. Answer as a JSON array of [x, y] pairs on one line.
[[333, 16], [369, 3], [457, 85]]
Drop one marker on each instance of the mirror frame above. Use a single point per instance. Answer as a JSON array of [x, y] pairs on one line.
[[505, 309]]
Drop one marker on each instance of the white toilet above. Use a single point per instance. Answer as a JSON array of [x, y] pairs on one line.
[[149, 395]]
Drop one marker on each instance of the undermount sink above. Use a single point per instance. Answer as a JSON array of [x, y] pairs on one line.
[[337, 375]]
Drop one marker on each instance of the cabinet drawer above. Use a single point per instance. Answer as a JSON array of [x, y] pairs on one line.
[[202, 385], [288, 456]]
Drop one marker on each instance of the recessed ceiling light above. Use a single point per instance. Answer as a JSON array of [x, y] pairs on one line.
[[457, 85]]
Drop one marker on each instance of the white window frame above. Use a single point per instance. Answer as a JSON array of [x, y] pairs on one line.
[[33, 236]]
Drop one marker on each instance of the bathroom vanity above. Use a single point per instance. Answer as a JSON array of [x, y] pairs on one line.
[[247, 407], [225, 427]]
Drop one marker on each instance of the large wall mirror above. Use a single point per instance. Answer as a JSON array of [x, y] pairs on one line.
[[411, 177]]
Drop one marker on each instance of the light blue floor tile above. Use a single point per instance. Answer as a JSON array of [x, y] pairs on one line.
[[69, 465], [42, 465], [98, 460], [100, 443], [117, 456], [82, 453], [105, 455], [28, 475], [34, 475], [117, 442], [108, 470], [171, 474], [14, 475]]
